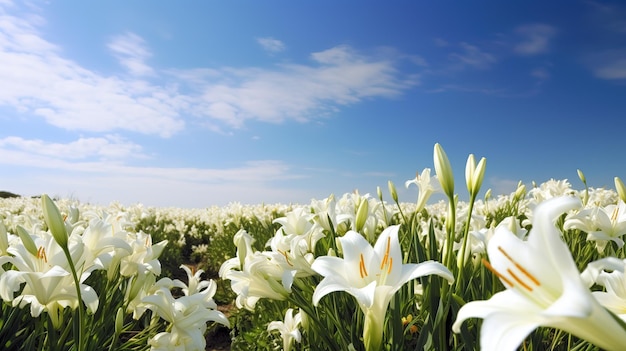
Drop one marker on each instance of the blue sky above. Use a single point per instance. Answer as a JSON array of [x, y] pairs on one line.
[[211, 102]]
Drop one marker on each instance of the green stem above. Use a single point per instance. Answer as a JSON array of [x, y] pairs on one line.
[[80, 345], [461, 263], [450, 237]]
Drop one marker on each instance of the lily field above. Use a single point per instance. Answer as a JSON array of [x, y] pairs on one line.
[[542, 268]]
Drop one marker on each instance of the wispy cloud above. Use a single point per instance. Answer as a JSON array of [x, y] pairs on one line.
[[610, 64], [440, 42], [501, 186], [472, 56], [109, 147], [540, 73], [534, 39], [337, 77], [610, 16], [65, 94], [52, 170], [132, 52], [271, 45], [160, 101]]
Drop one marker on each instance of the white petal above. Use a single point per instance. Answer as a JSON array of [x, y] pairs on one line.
[[353, 246], [326, 286], [90, 298], [502, 331], [548, 239], [508, 319], [416, 270]]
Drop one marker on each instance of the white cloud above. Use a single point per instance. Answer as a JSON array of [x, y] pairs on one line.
[[540, 73], [610, 16], [295, 91], [131, 51], [500, 186], [110, 180], [271, 45], [609, 64], [110, 147], [48, 85], [66, 95], [534, 39], [440, 42], [473, 56]]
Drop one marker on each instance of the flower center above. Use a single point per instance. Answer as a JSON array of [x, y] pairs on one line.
[[362, 270], [522, 278], [41, 254], [386, 259], [614, 215]]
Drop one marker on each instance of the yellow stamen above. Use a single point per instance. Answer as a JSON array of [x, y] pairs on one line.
[[518, 266], [386, 257], [362, 270], [390, 265], [521, 282], [614, 214], [286, 257], [498, 274], [41, 254]]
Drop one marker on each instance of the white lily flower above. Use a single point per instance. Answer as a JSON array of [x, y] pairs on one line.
[[603, 224], [101, 245], [427, 186], [380, 274], [145, 256], [609, 272], [48, 284], [544, 288], [255, 275], [288, 329], [187, 315]]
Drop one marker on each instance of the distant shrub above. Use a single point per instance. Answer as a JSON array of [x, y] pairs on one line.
[[7, 194]]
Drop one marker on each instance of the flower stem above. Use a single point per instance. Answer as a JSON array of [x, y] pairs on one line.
[[79, 337]]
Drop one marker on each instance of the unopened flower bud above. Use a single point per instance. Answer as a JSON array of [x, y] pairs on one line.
[[361, 215], [621, 189], [119, 321], [474, 174], [4, 238], [520, 192], [27, 240], [581, 175], [55, 221], [444, 171], [393, 191]]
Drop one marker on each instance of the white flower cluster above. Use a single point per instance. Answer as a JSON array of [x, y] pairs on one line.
[[35, 272]]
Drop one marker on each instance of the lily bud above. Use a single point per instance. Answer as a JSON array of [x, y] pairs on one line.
[[392, 190], [379, 192], [470, 167], [361, 215], [444, 171], [4, 239], [27, 240], [488, 194], [581, 176], [584, 180], [520, 191], [474, 174], [119, 321], [55, 221], [621, 189]]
